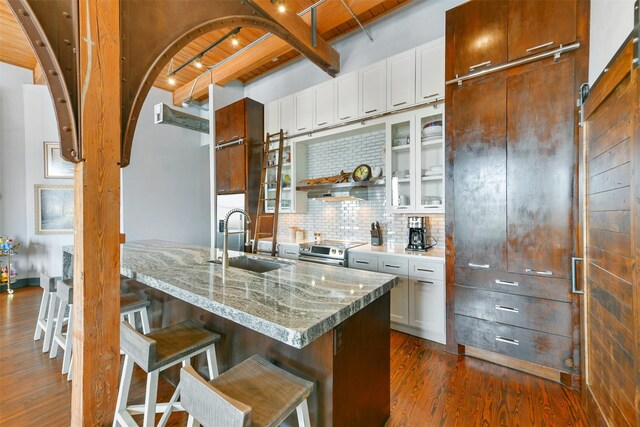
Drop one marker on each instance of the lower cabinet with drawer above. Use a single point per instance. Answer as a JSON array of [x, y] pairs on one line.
[[521, 316], [418, 302]]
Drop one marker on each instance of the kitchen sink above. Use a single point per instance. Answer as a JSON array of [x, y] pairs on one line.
[[257, 265]]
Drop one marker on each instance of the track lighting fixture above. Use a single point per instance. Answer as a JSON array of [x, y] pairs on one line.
[[234, 39], [198, 62], [280, 4], [172, 81]]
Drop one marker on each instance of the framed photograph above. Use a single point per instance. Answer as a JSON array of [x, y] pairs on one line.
[[54, 165], [54, 209]]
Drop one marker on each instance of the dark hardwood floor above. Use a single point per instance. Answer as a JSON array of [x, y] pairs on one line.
[[429, 387]]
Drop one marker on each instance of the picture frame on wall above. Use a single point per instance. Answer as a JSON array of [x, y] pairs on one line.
[[55, 167], [54, 209]]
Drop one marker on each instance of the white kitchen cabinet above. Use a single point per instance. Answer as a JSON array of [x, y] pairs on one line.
[[287, 114], [429, 184], [294, 165], [400, 301], [346, 89], [430, 71], [303, 110], [401, 80], [418, 302], [373, 89], [272, 117], [400, 163], [324, 105], [427, 308]]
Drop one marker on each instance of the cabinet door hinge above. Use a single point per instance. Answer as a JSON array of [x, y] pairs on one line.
[[582, 98]]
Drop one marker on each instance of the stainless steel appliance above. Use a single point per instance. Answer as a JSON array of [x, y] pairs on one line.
[[331, 252], [419, 237], [225, 204]]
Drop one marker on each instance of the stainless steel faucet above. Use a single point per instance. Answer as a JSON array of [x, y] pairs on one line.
[[225, 240]]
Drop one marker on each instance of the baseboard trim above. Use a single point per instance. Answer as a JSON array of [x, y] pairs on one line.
[[552, 374], [22, 283]]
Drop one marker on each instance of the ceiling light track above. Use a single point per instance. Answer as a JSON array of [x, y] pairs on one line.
[[198, 57]]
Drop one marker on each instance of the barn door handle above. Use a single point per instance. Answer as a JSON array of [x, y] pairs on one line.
[[574, 286]]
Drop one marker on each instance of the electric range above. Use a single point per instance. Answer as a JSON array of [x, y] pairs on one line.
[[331, 252]]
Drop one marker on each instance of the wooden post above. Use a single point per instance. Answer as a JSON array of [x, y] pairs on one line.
[[96, 308]]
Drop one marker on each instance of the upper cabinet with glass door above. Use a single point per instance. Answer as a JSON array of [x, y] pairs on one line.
[[400, 161], [430, 159]]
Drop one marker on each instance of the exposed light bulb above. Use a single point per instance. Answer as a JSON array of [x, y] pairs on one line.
[[172, 81], [234, 41], [198, 63], [281, 8]]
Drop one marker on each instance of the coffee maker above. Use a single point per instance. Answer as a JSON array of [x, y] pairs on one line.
[[419, 237]]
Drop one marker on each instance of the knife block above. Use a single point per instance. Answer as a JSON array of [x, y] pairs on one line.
[[376, 237]]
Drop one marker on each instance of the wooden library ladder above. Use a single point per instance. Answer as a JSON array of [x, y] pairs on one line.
[[267, 219]]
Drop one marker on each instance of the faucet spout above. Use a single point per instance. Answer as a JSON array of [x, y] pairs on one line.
[[225, 240]]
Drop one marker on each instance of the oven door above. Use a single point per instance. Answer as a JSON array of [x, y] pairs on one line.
[[322, 260]]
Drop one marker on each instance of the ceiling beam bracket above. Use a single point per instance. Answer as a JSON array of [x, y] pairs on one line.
[[314, 27], [364, 30]]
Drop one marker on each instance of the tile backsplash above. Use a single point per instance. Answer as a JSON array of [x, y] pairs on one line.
[[351, 220]]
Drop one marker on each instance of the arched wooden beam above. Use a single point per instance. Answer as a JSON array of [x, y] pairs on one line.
[[134, 97], [152, 33], [51, 27]]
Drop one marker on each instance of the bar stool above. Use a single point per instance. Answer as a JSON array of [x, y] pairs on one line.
[[64, 295], [46, 314], [130, 305], [156, 352], [253, 393]]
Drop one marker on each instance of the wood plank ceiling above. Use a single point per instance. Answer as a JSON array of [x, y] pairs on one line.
[[334, 20], [14, 46]]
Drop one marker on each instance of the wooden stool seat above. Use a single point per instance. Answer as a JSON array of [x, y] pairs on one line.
[[255, 393], [131, 303], [155, 352]]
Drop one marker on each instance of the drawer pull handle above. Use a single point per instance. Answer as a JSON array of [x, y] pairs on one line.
[[542, 273], [504, 282], [425, 282], [371, 111], [400, 103], [345, 118], [322, 124], [429, 96], [482, 64], [291, 253], [540, 46], [507, 340], [479, 265], [509, 309], [391, 266], [362, 262], [426, 270]]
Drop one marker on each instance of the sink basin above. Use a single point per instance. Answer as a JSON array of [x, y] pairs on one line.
[[257, 265]]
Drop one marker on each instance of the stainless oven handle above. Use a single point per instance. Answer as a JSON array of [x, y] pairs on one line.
[[319, 260]]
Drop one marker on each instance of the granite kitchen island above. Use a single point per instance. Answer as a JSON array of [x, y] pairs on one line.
[[327, 324]]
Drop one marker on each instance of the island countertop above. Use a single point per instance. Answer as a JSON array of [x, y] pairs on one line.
[[294, 305]]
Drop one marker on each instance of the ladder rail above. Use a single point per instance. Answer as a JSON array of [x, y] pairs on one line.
[[263, 199]]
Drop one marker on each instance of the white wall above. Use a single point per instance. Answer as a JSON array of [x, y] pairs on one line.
[[13, 218], [45, 250], [166, 186], [611, 23], [408, 27]]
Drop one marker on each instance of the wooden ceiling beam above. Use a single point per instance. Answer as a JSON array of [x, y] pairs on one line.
[[302, 30], [330, 15]]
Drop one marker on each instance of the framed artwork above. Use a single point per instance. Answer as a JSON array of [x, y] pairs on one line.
[[54, 209], [54, 165]]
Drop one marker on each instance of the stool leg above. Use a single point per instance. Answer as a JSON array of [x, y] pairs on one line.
[[303, 414], [41, 314], [174, 398], [131, 318], [125, 385], [70, 368], [145, 321], [57, 330], [192, 422], [212, 362], [68, 343], [150, 399], [48, 330]]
